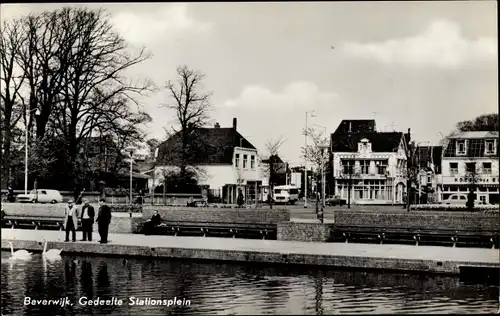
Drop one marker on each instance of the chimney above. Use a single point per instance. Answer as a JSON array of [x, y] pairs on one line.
[[235, 121], [217, 125], [409, 135]]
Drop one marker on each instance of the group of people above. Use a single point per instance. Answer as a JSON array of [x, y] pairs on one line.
[[87, 215]]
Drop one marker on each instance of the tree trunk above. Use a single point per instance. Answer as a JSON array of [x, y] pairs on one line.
[[408, 195]]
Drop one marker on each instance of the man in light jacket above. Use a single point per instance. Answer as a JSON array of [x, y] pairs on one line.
[[71, 220]]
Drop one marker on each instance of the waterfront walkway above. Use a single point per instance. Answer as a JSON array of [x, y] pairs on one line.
[[393, 257]]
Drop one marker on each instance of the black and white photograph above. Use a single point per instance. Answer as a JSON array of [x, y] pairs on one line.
[[249, 158]]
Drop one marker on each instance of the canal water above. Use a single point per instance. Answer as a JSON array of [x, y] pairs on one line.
[[216, 288]]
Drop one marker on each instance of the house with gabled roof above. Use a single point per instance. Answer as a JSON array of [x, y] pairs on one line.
[[227, 160], [467, 157], [368, 164]]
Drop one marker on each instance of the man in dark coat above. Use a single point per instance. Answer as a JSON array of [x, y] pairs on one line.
[[10, 195], [103, 220], [150, 224], [88, 215]]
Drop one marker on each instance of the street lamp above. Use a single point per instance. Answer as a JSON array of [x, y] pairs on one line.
[[130, 150], [312, 114], [28, 120]]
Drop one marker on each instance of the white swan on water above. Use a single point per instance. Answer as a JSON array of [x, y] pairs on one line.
[[52, 253], [20, 254]]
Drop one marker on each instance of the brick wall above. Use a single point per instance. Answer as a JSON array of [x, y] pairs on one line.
[[415, 219], [297, 231], [53, 210], [211, 215]]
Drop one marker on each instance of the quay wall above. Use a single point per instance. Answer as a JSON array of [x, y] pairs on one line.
[[270, 256]]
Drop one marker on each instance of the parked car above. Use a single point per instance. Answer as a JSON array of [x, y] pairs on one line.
[[334, 200], [459, 199], [41, 196]]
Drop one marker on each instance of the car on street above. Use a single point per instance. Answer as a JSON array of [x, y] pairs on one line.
[[41, 196], [459, 199], [334, 200]]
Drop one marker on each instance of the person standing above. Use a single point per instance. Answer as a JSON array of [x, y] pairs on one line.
[[71, 220], [88, 214], [103, 220]]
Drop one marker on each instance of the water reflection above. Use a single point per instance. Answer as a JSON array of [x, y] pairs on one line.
[[216, 288]]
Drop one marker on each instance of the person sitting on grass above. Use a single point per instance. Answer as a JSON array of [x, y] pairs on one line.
[[151, 223]]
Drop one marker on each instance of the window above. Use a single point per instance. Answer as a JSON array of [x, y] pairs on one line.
[[347, 166], [490, 147], [428, 179], [460, 147], [237, 162], [487, 167], [454, 197], [453, 168], [252, 162], [381, 166], [470, 167], [294, 191], [365, 166], [245, 165]]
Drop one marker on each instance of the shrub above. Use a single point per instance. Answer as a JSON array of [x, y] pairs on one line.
[[444, 207]]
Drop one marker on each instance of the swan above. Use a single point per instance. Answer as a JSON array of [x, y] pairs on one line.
[[52, 253], [20, 254]]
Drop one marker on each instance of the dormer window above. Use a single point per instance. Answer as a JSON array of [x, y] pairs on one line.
[[460, 147], [489, 147]]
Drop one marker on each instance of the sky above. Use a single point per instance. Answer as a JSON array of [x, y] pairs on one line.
[[418, 65]]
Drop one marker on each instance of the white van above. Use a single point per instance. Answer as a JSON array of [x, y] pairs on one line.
[[41, 196], [287, 194]]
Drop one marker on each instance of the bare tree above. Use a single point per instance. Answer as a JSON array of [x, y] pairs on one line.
[[191, 107], [10, 84], [411, 171], [313, 152], [271, 164]]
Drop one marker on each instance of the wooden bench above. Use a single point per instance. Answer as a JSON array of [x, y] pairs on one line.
[[214, 229], [416, 236], [34, 222]]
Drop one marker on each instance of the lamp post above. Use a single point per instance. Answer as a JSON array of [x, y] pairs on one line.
[[130, 150], [312, 114], [28, 120]]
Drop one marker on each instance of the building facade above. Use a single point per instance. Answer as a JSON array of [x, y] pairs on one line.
[[428, 159], [369, 165], [471, 158], [226, 163]]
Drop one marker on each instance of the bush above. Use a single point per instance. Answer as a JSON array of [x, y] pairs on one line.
[[444, 207]]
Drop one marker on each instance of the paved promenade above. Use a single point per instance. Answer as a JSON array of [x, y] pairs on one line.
[[392, 257]]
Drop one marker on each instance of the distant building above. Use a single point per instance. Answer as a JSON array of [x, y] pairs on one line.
[[471, 156], [227, 162], [374, 163]]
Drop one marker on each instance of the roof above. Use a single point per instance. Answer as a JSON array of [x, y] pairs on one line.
[[356, 126], [475, 147], [476, 135], [207, 146], [381, 142]]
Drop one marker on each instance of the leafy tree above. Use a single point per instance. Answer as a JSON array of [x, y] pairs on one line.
[[485, 122]]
